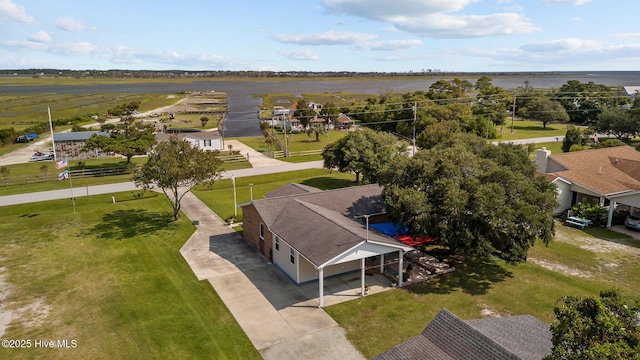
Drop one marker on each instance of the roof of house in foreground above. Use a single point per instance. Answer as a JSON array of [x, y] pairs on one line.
[[323, 225], [606, 171], [448, 337]]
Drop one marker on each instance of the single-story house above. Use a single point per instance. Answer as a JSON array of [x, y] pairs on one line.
[[311, 234], [632, 91], [448, 337], [203, 140], [70, 144], [344, 122], [606, 176], [315, 106]]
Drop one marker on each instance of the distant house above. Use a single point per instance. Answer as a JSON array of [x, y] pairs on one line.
[[70, 145], [281, 111], [448, 337], [632, 91], [343, 122], [608, 177], [310, 234], [203, 140], [315, 106]]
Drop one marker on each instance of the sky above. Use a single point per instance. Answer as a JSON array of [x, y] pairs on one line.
[[321, 35]]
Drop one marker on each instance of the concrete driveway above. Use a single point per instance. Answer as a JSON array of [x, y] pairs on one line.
[[279, 318]]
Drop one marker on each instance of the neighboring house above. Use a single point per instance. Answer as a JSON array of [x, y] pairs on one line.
[[343, 122], [632, 91], [315, 106], [70, 144], [311, 234], [203, 140], [607, 176], [448, 337], [281, 111]]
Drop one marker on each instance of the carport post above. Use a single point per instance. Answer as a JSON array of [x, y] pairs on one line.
[[400, 266], [382, 263], [321, 286], [362, 277], [612, 206]]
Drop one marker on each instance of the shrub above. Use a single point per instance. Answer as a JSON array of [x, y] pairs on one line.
[[594, 212]]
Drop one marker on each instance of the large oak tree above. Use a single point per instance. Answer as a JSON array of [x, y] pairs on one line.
[[176, 167], [364, 152], [474, 197]]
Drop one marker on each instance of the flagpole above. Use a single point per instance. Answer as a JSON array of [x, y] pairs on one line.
[[73, 199], [235, 202], [53, 142]]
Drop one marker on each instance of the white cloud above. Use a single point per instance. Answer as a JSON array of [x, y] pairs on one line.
[[467, 26], [11, 11], [434, 18], [326, 38], [574, 2], [389, 45], [304, 54], [564, 45], [385, 9], [69, 24], [41, 37]]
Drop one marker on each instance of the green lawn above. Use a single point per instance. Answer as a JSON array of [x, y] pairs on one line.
[[220, 196], [476, 289], [296, 141], [527, 129], [110, 277], [29, 177]]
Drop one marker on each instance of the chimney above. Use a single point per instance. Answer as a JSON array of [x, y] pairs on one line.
[[542, 156]]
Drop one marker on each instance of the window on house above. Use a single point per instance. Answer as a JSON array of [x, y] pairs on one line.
[[207, 142], [261, 231], [277, 243], [292, 256]]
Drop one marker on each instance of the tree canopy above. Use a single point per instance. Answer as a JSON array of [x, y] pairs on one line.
[[125, 140], [545, 110], [621, 123], [601, 327], [176, 167], [364, 152], [474, 197]]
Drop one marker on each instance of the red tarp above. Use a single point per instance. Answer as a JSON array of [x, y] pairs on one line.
[[413, 241]]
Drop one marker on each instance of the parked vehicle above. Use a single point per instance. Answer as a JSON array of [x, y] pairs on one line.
[[40, 156], [633, 221], [26, 138]]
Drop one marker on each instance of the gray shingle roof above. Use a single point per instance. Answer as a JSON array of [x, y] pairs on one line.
[[291, 189], [448, 337], [77, 136], [322, 225]]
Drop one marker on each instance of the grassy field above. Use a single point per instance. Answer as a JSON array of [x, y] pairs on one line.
[[296, 141], [110, 277], [527, 129], [21, 111], [220, 197], [29, 177], [576, 263]]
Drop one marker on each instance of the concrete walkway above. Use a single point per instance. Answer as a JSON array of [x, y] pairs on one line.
[[256, 158]]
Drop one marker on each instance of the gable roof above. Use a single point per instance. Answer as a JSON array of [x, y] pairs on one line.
[[323, 225], [448, 337], [291, 189], [605, 171]]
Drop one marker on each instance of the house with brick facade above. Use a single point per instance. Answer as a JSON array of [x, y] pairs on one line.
[[310, 234]]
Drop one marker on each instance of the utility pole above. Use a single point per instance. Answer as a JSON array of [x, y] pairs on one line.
[[513, 111], [284, 120], [415, 109]]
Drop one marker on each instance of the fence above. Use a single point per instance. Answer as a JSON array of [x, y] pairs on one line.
[[87, 173], [280, 154]]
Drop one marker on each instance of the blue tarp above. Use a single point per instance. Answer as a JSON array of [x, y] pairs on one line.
[[388, 228]]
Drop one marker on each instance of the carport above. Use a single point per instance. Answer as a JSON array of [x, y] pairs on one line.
[[361, 252], [629, 198]]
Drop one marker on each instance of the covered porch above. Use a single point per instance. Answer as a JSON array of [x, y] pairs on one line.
[[628, 198], [376, 253]]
